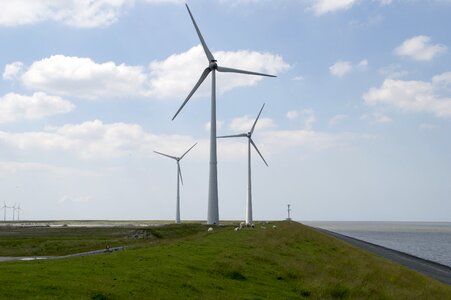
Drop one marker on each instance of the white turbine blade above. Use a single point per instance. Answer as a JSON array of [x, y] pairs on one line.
[[180, 173], [188, 150], [199, 82], [230, 70], [232, 136], [252, 142], [255, 123], [202, 41], [173, 157]]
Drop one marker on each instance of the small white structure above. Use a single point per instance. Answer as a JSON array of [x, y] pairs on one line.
[[210, 229]]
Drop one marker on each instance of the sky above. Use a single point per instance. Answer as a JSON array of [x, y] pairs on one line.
[[356, 124]]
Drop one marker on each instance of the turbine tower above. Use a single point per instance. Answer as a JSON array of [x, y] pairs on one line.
[[179, 179], [213, 210], [250, 142]]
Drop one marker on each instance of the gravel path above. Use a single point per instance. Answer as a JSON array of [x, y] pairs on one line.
[[429, 268]]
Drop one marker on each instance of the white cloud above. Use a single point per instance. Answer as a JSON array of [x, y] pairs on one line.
[[14, 107], [244, 124], [309, 118], [321, 7], [298, 78], [420, 48], [393, 71], [75, 13], [376, 118], [292, 114], [340, 68], [414, 96], [363, 64], [176, 75], [96, 140], [13, 70], [84, 78], [173, 77], [337, 119]]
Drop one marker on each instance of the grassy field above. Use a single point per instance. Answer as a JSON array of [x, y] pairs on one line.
[[49, 241], [187, 262]]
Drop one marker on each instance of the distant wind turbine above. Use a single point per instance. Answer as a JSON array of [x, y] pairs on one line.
[[18, 212], [213, 210], [250, 142], [4, 207], [14, 211], [179, 179]]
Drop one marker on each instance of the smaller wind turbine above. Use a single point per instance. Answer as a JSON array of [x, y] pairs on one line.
[[289, 211], [4, 207], [14, 211], [179, 179], [18, 212], [250, 142]]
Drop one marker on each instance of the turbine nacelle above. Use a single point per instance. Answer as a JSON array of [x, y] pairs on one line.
[[213, 65]]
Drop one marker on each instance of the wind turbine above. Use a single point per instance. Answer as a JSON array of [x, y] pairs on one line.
[[213, 210], [4, 207], [250, 142], [179, 179], [18, 212], [14, 210]]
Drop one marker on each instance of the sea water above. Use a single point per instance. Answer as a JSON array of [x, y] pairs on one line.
[[428, 240]]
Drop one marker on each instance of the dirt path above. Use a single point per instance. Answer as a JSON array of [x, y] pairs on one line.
[[29, 258]]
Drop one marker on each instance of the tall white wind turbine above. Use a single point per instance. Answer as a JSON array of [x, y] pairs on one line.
[[250, 142], [179, 179], [213, 210]]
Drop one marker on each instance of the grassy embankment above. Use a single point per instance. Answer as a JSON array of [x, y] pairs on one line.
[[178, 262]]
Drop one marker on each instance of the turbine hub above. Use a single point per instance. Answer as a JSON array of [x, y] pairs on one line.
[[213, 65]]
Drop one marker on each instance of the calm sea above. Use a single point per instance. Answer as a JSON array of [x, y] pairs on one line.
[[428, 240]]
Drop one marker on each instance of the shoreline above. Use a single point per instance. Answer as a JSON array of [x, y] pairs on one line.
[[429, 268]]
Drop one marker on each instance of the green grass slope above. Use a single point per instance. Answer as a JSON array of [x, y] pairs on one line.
[[187, 262]]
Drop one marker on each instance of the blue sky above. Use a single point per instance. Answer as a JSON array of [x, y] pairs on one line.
[[356, 125]]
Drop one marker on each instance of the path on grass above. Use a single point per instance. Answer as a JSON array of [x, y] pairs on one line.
[[28, 258], [429, 268]]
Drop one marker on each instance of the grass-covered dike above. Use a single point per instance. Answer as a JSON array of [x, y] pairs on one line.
[[292, 261]]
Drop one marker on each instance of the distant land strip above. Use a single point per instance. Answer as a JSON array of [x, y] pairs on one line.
[[429, 268]]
